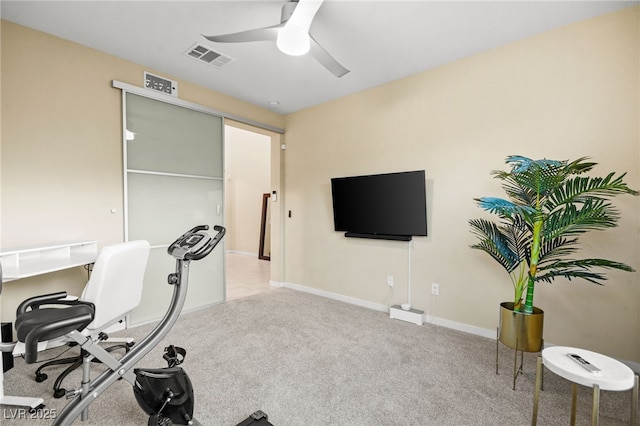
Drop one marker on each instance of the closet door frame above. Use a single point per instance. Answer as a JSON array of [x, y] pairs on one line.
[[204, 291], [278, 147]]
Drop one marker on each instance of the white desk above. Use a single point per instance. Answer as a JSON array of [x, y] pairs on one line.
[[23, 262], [30, 261], [614, 376]]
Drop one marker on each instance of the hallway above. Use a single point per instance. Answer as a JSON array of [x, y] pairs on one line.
[[246, 275]]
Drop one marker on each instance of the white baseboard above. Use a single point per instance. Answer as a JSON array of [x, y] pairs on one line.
[[244, 253], [471, 329], [466, 328], [384, 308], [337, 296]]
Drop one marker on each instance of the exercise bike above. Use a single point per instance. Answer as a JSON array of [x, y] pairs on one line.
[[166, 394]]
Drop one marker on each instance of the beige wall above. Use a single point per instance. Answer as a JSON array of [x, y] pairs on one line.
[[573, 91], [247, 171], [62, 146], [563, 94]]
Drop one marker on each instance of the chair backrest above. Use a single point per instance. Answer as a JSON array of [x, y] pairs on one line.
[[115, 285]]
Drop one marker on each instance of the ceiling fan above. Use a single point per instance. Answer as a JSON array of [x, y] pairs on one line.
[[291, 35]]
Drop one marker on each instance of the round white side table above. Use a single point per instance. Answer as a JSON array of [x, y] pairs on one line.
[[614, 376]]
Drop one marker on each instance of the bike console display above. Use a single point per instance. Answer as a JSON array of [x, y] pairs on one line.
[[196, 243]]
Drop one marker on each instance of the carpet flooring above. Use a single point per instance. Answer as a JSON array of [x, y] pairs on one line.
[[308, 360]]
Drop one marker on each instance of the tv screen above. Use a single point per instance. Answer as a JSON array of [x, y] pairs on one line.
[[380, 206]]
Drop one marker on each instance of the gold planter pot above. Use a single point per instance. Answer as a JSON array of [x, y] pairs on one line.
[[521, 332]]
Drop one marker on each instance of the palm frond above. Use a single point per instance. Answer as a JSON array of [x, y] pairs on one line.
[[521, 164], [556, 248], [520, 194], [503, 207], [579, 166], [594, 214], [580, 268], [519, 237], [592, 277], [495, 242], [538, 176], [579, 189]]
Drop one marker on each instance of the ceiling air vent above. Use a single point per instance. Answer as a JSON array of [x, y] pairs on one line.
[[206, 54]]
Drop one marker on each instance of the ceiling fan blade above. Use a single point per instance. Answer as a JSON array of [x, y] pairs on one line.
[[326, 59], [259, 34], [304, 12]]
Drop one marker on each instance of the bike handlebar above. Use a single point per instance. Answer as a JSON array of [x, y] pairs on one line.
[[196, 243]]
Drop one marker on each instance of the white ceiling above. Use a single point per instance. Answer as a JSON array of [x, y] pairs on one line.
[[379, 41]]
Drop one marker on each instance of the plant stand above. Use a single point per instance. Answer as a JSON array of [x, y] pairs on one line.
[[517, 369], [521, 332]]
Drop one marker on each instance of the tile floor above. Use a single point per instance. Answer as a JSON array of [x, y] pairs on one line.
[[246, 275]]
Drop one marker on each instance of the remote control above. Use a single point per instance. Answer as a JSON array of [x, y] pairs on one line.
[[584, 363]]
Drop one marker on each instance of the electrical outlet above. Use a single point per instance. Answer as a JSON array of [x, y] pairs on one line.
[[435, 289], [390, 280]]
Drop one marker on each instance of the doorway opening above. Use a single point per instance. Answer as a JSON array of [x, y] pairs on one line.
[[247, 159]]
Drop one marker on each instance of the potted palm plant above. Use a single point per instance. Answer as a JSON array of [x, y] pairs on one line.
[[549, 205]]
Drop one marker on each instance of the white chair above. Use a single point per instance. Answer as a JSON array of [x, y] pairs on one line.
[[112, 292]]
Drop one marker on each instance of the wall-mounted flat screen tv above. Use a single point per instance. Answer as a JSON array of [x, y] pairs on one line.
[[386, 206]]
